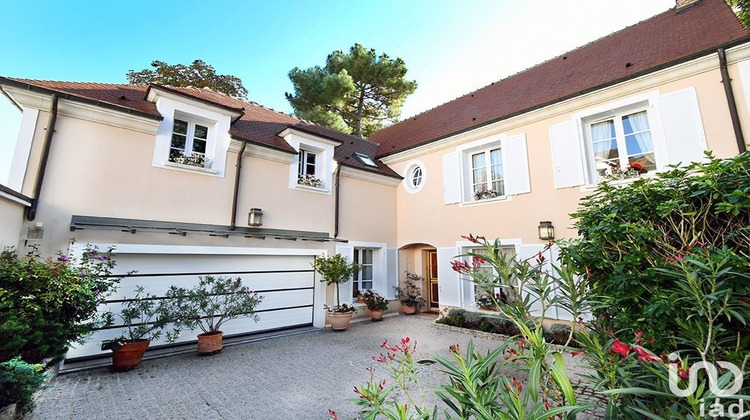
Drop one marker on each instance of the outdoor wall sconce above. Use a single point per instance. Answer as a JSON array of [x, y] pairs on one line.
[[255, 218], [546, 231]]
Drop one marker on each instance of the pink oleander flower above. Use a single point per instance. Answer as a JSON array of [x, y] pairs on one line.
[[646, 357], [620, 347]]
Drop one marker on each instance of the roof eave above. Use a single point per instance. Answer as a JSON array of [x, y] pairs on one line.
[[77, 98]]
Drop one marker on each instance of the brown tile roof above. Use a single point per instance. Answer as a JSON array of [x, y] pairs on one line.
[[655, 43], [257, 125]]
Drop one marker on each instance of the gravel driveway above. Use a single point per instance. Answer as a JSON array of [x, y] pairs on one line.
[[289, 377]]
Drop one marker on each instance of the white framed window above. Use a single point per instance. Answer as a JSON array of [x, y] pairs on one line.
[[619, 141], [415, 176], [189, 139], [364, 279], [647, 131], [487, 174], [489, 170], [192, 136], [307, 163]]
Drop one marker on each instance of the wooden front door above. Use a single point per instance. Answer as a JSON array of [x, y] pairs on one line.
[[432, 280]]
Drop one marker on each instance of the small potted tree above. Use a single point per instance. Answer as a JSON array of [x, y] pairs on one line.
[[144, 316], [209, 305], [409, 294], [336, 270], [376, 304]]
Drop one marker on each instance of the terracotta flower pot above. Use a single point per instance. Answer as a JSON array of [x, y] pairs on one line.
[[210, 343], [409, 310], [129, 355], [377, 315], [339, 320]]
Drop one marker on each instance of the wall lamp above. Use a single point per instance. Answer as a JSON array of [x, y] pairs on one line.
[[255, 218], [546, 231]]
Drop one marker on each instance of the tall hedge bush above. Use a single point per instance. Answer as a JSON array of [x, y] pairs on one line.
[[45, 304], [627, 233]]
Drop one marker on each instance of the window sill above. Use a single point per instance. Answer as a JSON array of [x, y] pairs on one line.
[[619, 182], [311, 189], [190, 168], [500, 199]]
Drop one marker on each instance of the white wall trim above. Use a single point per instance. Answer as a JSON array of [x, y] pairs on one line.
[[324, 150], [14, 199], [76, 249], [84, 111], [362, 175], [255, 150], [155, 94], [20, 161]]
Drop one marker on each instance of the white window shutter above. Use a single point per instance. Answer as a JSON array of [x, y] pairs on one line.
[[567, 157], [683, 129], [516, 165], [346, 289], [391, 273], [449, 284], [451, 179]]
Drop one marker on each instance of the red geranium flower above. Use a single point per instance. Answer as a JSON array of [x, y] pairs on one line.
[[620, 347]]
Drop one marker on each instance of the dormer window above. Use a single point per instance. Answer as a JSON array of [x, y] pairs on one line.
[[188, 146]]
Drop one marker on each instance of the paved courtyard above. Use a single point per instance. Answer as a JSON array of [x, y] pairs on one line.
[[289, 377]]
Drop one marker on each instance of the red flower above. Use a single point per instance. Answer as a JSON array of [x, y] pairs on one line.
[[646, 357], [577, 353], [638, 336], [454, 348], [620, 347], [477, 261], [471, 238], [460, 266], [332, 414], [636, 166]]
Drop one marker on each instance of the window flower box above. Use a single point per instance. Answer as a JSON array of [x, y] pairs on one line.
[[194, 159], [485, 195], [309, 181]]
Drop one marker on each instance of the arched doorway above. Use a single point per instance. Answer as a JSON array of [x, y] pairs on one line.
[[421, 259]]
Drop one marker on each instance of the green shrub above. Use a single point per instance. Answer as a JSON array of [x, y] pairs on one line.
[[18, 382], [627, 233], [47, 304]]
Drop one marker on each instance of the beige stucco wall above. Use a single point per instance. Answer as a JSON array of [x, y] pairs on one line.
[[102, 170], [11, 221], [424, 218]]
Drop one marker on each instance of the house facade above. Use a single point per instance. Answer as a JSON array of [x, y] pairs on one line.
[[177, 178], [499, 161]]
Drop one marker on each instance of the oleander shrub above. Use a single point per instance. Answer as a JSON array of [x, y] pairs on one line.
[[628, 235]]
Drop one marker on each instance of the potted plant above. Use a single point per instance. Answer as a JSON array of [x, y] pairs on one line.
[[211, 303], [144, 316], [336, 270], [410, 295], [376, 304]]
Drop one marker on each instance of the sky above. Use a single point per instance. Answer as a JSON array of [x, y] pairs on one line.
[[450, 47]]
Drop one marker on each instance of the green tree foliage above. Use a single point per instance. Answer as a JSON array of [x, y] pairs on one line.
[[356, 92], [197, 74], [742, 10], [628, 234]]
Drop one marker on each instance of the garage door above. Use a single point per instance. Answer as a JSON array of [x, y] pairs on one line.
[[285, 280]]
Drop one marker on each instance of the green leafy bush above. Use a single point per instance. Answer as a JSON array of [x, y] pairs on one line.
[[627, 233], [18, 382], [47, 304]]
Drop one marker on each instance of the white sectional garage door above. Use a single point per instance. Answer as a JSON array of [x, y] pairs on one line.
[[286, 282]]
